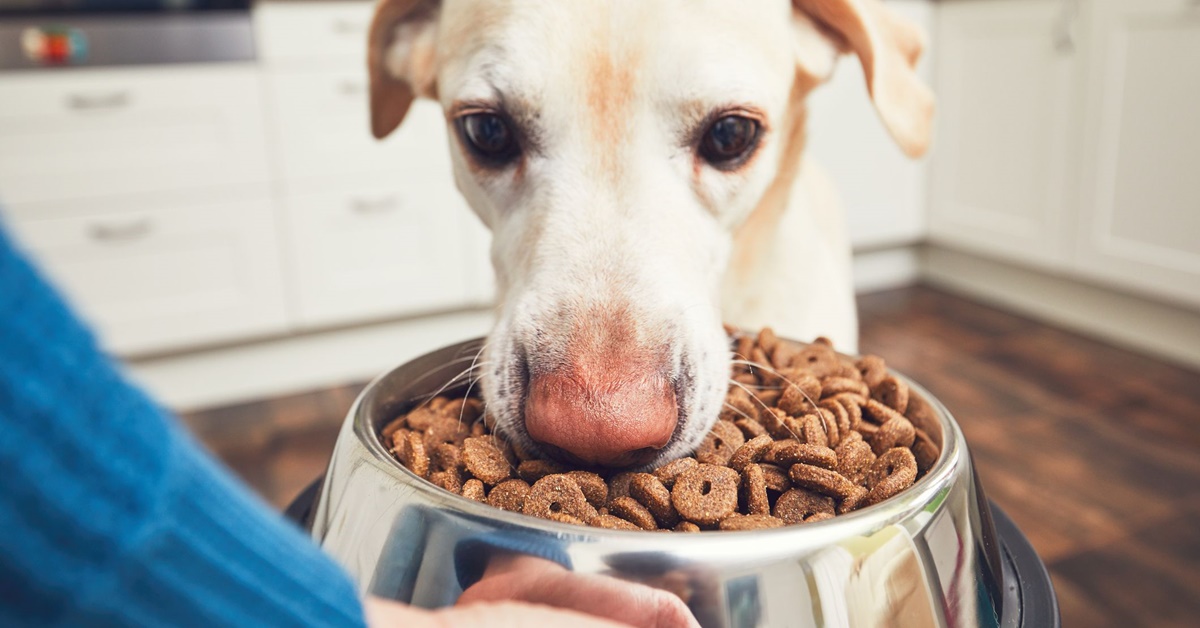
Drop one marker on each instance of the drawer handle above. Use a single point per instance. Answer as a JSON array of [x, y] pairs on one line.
[[348, 27], [1064, 27], [121, 232], [375, 206], [98, 102]]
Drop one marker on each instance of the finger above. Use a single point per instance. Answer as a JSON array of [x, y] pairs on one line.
[[515, 615], [635, 604]]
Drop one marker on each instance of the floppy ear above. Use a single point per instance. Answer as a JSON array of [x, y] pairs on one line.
[[401, 51], [888, 46]]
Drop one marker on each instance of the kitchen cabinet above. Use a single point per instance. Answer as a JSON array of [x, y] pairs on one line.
[[374, 229], [1008, 95], [1068, 139], [1140, 195], [162, 273]]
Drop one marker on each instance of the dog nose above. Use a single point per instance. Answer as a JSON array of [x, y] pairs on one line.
[[608, 419]]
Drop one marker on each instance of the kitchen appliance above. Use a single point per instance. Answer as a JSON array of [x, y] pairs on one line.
[[938, 554], [38, 34]]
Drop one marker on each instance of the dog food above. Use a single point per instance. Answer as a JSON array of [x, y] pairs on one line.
[[806, 434]]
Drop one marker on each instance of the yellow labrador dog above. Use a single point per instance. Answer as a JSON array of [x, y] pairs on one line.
[[640, 165]]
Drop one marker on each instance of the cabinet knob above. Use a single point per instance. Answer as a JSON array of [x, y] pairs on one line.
[[98, 102], [375, 205], [120, 232]]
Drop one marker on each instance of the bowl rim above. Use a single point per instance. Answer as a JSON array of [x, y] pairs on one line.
[[861, 522]]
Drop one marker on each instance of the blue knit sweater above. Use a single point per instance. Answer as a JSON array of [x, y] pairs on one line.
[[110, 515]]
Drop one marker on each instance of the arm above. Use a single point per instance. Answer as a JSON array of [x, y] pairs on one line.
[[111, 514]]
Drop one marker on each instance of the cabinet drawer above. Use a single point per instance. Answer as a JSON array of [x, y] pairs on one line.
[[92, 133], [382, 248], [323, 128], [157, 279], [291, 31]]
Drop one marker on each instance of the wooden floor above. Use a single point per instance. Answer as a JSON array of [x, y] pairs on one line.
[[1093, 451]]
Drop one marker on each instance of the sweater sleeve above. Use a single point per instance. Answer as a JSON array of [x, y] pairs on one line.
[[111, 515]]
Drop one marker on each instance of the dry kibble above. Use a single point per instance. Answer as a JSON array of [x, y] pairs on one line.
[[706, 494], [592, 485], [751, 451], [750, 522], [613, 523], [558, 494], [473, 489], [509, 495], [533, 470], [805, 435], [634, 512], [893, 393], [754, 491], [799, 505], [719, 445], [668, 472], [788, 452], [485, 461]]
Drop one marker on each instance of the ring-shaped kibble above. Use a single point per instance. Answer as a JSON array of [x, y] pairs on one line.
[[873, 369], [789, 452], [751, 428], [750, 522], [852, 404], [594, 488], [485, 460], [925, 451], [898, 432], [821, 480], [893, 393], [668, 472], [879, 413], [776, 478], [509, 495], [799, 505], [754, 491], [891, 473], [533, 470], [813, 430], [651, 493], [840, 415], [854, 457], [613, 523], [853, 501], [706, 494], [750, 452], [829, 423], [634, 512], [835, 385], [555, 494], [801, 391], [723, 439], [410, 449], [473, 489]]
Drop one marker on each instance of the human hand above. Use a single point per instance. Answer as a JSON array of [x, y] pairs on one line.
[[383, 613], [538, 581]]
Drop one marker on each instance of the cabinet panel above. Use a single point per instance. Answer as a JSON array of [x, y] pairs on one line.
[[1007, 84], [313, 32], [376, 248], [1141, 199], [323, 130], [78, 134], [154, 278]]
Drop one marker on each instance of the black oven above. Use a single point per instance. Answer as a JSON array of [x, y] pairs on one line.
[[86, 33]]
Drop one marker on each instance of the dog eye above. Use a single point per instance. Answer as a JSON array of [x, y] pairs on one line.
[[728, 139], [489, 136]]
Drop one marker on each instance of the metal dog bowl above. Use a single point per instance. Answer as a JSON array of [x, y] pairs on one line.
[[935, 555]]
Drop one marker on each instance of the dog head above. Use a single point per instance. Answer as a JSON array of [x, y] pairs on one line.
[[613, 148]]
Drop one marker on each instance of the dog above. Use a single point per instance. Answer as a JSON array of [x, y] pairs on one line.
[[640, 165]]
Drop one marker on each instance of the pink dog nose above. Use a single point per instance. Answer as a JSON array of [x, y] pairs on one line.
[[607, 419]]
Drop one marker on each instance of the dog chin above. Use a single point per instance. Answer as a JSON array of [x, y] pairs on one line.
[[700, 377]]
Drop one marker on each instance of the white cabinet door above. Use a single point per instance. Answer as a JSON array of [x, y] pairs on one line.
[[1140, 209], [1007, 85], [155, 276], [87, 133], [320, 32], [379, 247]]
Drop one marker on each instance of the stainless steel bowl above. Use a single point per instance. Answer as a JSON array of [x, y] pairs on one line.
[[927, 557]]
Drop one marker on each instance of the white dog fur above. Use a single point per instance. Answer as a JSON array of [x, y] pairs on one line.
[[618, 251]]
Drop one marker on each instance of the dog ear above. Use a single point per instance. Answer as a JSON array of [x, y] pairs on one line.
[[888, 46], [401, 51]]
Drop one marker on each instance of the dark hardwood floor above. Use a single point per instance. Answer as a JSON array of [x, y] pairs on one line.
[[1094, 451]]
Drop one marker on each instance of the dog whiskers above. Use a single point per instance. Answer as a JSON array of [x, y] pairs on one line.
[[763, 404]]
